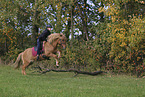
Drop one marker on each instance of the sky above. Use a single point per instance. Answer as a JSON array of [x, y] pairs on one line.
[[90, 2]]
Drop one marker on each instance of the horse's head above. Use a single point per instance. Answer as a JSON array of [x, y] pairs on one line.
[[62, 41], [59, 38]]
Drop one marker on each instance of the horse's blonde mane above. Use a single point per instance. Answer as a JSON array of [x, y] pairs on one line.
[[55, 36]]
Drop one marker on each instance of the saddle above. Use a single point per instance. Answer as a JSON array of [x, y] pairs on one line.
[[34, 51]]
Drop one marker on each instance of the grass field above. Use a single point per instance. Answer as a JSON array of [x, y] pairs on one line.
[[52, 84]]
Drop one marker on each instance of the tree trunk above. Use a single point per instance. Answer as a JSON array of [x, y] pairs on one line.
[[84, 22], [34, 34], [72, 31], [35, 27], [102, 19]]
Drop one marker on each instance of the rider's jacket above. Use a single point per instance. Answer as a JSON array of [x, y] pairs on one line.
[[44, 35]]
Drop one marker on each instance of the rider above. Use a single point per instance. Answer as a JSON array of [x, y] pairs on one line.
[[42, 38]]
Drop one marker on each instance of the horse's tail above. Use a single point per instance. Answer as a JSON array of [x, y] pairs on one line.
[[17, 63]]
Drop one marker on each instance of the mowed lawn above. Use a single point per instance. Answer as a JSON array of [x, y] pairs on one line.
[[55, 84]]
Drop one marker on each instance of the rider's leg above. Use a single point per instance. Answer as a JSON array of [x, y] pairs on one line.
[[38, 50]]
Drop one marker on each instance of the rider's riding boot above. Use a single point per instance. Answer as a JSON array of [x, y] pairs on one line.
[[45, 57], [37, 57]]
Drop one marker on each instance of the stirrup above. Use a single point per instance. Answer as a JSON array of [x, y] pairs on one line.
[[45, 57]]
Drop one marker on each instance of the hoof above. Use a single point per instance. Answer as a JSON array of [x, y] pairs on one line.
[[57, 66], [23, 73]]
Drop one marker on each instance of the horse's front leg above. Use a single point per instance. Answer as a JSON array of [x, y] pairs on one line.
[[59, 54], [54, 56]]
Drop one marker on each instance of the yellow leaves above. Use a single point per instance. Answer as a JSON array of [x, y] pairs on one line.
[[123, 44], [119, 34], [109, 25], [113, 18], [126, 35], [101, 9], [112, 40], [138, 58], [110, 10], [125, 21]]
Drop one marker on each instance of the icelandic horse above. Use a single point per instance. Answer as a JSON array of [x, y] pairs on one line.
[[50, 49]]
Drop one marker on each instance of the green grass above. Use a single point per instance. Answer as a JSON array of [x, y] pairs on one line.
[[52, 84]]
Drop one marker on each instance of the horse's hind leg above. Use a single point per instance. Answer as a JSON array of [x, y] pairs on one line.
[[24, 68]]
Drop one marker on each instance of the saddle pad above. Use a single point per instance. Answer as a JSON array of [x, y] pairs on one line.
[[34, 51]]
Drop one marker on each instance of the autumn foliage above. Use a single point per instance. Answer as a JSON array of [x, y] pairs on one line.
[[105, 35]]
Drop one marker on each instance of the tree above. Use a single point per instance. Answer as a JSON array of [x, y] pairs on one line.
[[126, 34]]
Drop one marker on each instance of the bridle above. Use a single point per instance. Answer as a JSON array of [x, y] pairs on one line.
[[61, 41]]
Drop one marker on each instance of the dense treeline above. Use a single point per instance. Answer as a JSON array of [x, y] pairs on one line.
[[102, 34]]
